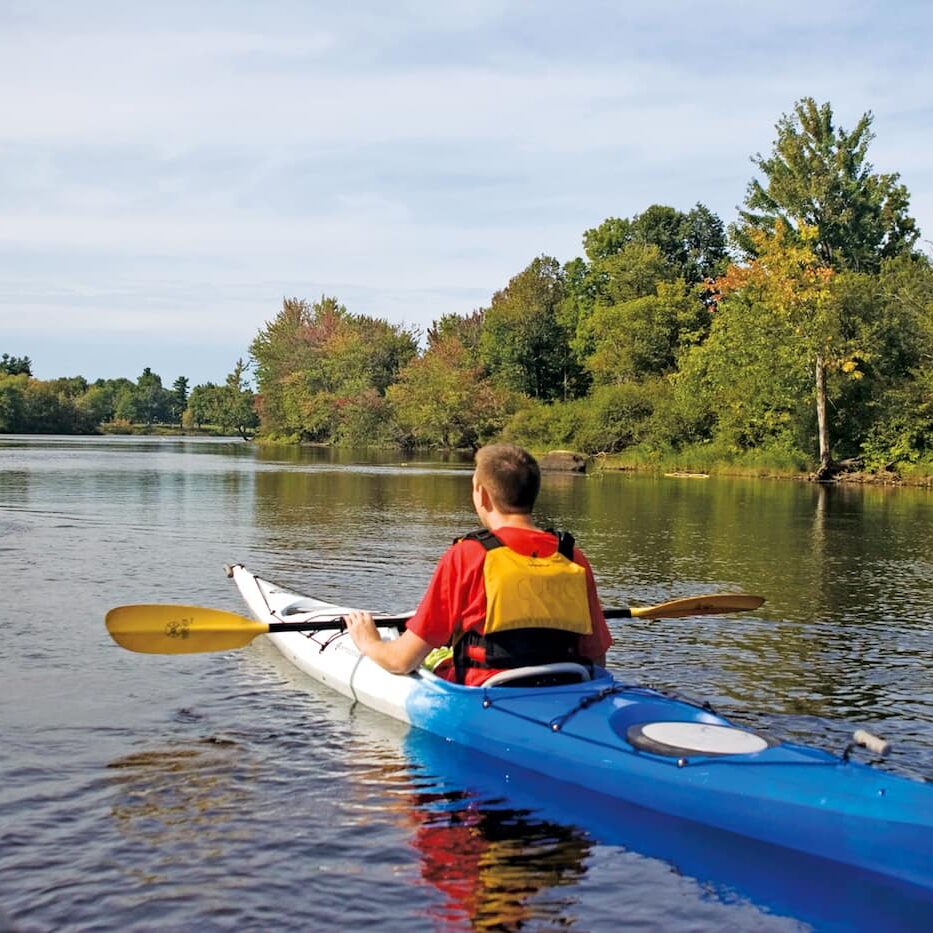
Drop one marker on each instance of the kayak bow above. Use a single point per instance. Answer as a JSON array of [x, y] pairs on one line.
[[634, 744]]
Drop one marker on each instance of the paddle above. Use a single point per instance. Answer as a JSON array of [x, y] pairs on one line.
[[172, 629]]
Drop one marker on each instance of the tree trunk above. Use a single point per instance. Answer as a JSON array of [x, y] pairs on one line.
[[822, 426]]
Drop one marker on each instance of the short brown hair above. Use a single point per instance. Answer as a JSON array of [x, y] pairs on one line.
[[510, 475]]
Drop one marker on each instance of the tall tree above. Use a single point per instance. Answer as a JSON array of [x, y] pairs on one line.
[[153, 402], [788, 281], [523, 344], [179, 400], [314, 361], [467, 328], [819, 176], [239, 408]]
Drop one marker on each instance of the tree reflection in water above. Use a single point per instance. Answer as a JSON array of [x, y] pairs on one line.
[[183, 800]]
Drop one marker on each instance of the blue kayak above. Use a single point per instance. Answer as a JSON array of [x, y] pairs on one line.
[[625, 743]]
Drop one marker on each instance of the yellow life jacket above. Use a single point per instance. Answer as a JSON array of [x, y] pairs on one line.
[[536, 608]]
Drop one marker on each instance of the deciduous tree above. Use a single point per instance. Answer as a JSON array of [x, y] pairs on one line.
[[523, 344], [818, 176], [788, 281], [442, 398]]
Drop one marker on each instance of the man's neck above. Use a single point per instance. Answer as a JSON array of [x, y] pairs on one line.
[[498, 519]]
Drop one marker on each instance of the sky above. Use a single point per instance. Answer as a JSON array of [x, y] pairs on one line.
[[170, 171]]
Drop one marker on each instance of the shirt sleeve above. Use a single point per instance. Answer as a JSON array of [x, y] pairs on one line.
[[432, 621], [597, 644]]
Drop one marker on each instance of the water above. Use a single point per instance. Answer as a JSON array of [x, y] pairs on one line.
[[228, 791]]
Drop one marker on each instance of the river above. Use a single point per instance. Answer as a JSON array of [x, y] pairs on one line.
[[227, 791]]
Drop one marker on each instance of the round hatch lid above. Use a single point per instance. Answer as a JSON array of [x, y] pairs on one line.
[[694, 738]]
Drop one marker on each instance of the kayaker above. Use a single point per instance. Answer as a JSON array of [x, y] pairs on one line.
[[510, 596]]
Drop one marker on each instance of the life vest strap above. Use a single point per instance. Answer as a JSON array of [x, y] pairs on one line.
[[523, 647], [565, 540]]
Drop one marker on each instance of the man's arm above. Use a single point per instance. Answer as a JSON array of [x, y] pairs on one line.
[[400, 656]]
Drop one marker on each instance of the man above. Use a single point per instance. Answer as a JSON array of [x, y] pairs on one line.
[[510, 596]]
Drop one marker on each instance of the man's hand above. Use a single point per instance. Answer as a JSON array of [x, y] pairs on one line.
[[362, 629], [399, 656]]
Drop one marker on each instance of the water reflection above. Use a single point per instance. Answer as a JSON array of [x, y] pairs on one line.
[[845, 638], [495, 866], [499, 840], [184, 798]]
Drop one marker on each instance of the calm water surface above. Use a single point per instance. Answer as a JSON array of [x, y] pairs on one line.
[[230, 792]]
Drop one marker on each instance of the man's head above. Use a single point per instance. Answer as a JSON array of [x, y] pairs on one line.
[[510, 477]]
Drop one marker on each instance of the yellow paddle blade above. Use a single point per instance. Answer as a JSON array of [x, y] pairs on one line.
[[699, 605], [167, 629]]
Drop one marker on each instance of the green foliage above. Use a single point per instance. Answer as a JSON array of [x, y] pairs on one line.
[[30, 406], [12, 403], [443, 398], [544, 426], [152, 402], [523, 344], [750, 375], [15, 365], [313, 360], [467, 329], [819, 175], [615, 417], [231, 408], [610, 419], [365, 421], [179, 399], [639, 338], [630, 260], [693, 245], [97, 403]]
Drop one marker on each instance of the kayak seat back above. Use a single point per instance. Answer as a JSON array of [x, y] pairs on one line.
[[541, 675]]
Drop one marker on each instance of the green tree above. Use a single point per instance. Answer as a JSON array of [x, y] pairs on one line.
[[819, 176], [788, 284], [523, 344], [693, 244], [153, 402], [15, 365], [12, 403], [467, 328], [901, 407], [48, 410], [202, 403], [236, 405], [97, 402], [639, 338], [179, 398], [632, 259], [442, 398], [313, 361]]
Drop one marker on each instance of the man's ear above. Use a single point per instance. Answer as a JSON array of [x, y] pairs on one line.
[[484, 498]]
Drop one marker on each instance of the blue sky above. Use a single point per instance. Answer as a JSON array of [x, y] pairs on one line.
[[170, 171]]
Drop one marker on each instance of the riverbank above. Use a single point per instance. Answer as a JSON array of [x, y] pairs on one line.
[[918, 477]]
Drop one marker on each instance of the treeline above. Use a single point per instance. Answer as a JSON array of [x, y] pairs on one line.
[[801, 336], [72, 405]]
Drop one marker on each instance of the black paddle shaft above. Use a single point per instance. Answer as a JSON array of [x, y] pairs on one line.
[[321, 625]]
